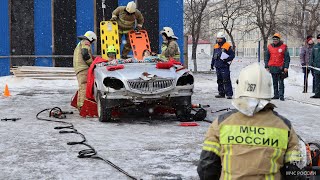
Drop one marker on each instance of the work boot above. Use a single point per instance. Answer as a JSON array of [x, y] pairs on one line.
[[275, 97], [229, 97], [281, 98], [315, 96], [220, 96], [304, 91]]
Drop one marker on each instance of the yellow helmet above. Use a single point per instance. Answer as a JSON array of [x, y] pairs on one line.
[[111, 49], [277, 35]]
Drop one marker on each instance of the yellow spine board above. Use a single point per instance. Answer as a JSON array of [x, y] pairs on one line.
[[109, 36]]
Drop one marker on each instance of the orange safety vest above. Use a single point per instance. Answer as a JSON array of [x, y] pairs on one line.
[[277, 55], [225, 46]]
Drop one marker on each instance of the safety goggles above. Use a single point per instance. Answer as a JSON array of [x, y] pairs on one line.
[[275, 39]]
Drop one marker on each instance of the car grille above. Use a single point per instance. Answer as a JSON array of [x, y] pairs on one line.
[[150, 86]]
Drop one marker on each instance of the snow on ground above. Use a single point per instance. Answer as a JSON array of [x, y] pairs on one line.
[[155, 148]]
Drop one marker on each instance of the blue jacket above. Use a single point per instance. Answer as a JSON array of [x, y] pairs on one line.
[[218, 49]]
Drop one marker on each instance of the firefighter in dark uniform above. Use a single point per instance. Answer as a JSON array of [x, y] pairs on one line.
[[223, 54]]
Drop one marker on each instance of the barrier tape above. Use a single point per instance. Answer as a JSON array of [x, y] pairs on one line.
[[315, 68]]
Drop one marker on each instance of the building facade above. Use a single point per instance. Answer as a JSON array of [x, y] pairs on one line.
[[50, 27]]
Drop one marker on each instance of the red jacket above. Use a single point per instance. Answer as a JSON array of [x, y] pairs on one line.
[[277, 55], [90, 77]]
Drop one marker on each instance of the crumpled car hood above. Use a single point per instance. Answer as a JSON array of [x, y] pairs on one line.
[[135, 70]]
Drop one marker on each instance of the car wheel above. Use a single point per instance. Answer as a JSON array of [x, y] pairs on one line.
[[183, 112], [104, 113]]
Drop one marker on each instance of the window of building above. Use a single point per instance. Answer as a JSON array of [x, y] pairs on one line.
[[253, 52], [290, 51], [297, 51]]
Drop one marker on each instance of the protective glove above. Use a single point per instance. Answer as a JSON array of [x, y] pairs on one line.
[[137, 29], [303, 64], [212, 66], [113, 19]]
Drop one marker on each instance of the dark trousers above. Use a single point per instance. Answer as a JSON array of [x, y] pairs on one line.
[[224, 81], [316, 84], [306, 72], [278, 85]]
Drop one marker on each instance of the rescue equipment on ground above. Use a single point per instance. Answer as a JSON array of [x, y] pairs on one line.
[[10, 119], [90, 152], [188, 124]]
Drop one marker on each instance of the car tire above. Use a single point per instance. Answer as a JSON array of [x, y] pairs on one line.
[[104, 113], [183, 112]]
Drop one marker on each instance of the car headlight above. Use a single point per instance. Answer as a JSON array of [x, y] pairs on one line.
[[114, 83], [185, 79]]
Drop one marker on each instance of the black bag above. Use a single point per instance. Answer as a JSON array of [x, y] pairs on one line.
[[200, 115]]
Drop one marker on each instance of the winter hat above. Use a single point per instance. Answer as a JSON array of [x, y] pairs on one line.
[[276, 36], [318, 37], [308, 38]]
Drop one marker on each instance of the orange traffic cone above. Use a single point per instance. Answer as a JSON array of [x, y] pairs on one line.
[[6, 92]]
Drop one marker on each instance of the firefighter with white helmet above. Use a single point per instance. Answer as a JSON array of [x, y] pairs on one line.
[[223, 54], [252, 142], [170, 47], [82, 59], [125, 16]]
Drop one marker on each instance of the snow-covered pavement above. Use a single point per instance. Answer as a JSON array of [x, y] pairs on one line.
[[155, 148]]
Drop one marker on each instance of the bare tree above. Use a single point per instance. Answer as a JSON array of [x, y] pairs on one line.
[[194, 16], [227, 14], [304, 17], [263, 14]]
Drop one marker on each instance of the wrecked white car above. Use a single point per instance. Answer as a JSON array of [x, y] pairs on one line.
[[142, 84]]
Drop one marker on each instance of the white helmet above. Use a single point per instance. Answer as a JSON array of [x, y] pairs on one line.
[[91, 36], [221, 35], [169, 32], [254, 81], [131, 7]]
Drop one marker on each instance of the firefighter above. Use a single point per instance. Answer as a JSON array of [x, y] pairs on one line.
[[82, 59], [170, 47], [125, 16], [252, 142], [277, 63], [223, 54]]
